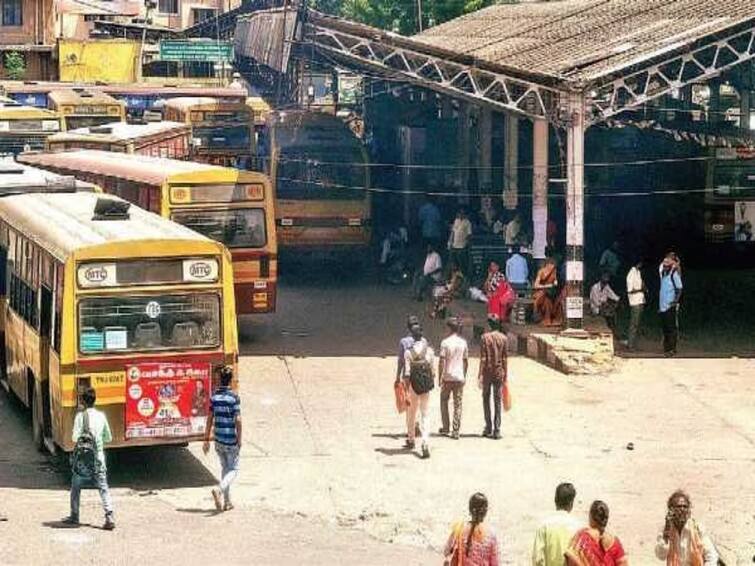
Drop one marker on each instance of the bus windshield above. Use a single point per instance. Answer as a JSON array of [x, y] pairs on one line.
[[236, 228], [117, 324], [75, 122], [309, 175], [734, 179], [223, 137]]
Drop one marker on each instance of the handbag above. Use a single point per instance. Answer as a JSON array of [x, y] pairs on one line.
[[402, 399], [506, 395]]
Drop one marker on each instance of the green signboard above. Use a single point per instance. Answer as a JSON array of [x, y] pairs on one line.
[[188, 50]]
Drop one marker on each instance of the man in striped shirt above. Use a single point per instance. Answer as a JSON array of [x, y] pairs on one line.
[[225, 421]]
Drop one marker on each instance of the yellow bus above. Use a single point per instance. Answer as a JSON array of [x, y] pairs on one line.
[[321, 178], [158, 139], [81, 107], [23, 127], [227, 205], [222, 130], [95, 292]]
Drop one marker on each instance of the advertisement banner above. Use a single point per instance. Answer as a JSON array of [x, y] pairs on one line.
[[167, 400]]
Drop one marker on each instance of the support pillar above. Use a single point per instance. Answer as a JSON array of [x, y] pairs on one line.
[[539, 188], [465, 139], [714, 102], [486, 139], [511, 163], [575, 210], [745, 108]]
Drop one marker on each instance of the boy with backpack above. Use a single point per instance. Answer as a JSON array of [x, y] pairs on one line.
[[418, 360], [91, 432]]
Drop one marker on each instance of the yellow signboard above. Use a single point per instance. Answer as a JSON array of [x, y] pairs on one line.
[[111, 61]]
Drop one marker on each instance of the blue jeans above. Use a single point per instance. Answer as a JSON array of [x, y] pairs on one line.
[[229, 466], [100, 482]]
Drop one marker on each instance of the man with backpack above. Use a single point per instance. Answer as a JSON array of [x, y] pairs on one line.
[[91, 432], [418, 362], [493, 369]]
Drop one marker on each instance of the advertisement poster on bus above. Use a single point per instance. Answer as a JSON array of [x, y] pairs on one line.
[[167, 400], [744, 221]]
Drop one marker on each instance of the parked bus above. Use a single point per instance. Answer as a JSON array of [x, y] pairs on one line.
[[231, 206], [79, 107], [99, 293], [24, 127], [18, 178], [730, 201], [222, 131], [321, 180], [158, 139]]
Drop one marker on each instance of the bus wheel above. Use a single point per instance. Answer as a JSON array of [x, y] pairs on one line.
[[37, 424]]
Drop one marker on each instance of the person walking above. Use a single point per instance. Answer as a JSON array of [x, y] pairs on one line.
[[636, 298], [556, 532], [225, 422], [472, 543], [492, 374], [683, 541], [418, 361], [593, 545], [401, 377], [91, 432], [668, 302], [452, 374], [458, 241]]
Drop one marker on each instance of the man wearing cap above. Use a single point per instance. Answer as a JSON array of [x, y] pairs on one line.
[[452, 373], [493, 368]]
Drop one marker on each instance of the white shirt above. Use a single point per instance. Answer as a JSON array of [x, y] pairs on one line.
[[635, 288], [517, 270], [710, 556], [460, 233], [599, 295], [433, 264], [454, 350], [512, 232]]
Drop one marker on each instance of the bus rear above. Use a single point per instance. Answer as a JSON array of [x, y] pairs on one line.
[[147, 329], [240, 215], [81, 108], [24, 128]]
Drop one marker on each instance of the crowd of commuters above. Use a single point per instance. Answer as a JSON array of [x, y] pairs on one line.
[[563, 539]]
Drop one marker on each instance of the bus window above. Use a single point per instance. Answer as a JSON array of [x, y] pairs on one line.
[[236, 228]]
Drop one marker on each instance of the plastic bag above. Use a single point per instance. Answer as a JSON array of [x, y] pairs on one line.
[[402, 398], [506, 395]]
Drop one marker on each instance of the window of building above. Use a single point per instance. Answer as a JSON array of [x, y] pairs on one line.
[[12, 12], [201, 14], [167, 6]]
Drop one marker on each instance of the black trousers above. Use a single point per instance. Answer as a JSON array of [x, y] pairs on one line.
[[495, 385], [670, 324]]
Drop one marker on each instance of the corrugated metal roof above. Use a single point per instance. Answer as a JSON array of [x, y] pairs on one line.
[[63, 223], [266, 37], [582, 40]]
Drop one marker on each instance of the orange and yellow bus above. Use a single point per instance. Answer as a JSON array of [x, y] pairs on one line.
[[81, 107], [230, 206], [321, 179], [222, 130], [24, 127], [158, 139], [96, 292]]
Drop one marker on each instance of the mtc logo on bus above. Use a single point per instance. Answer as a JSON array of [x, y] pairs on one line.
[[96, 274], [200, 270]]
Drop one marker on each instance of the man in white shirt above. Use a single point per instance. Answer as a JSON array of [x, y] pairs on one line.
[[683, 541], [517, 270], [636, 297], [458, 241], [603, 300], [432, 273], [452, 374], [513, 229], [555, 533], [97, 424]]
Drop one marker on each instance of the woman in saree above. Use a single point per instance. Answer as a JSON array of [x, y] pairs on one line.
[[547, 301], [501, 295], [472, 543], [593, 546]]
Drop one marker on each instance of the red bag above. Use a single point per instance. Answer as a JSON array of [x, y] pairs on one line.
[[506, 395], [402, 399]]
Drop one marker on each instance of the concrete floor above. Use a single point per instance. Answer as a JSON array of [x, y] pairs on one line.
[[324, 477]]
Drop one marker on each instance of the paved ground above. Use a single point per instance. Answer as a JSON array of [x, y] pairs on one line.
[[324, 472]]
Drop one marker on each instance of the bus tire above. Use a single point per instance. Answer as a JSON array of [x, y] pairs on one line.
[[37, 419]]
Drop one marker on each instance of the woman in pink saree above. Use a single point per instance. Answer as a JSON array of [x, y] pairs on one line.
[[501, 296], [593, 546]]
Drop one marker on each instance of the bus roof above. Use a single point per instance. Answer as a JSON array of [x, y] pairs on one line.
[[173, 90], [12, 109], [201, 102], [120, 131], [17, 178], [140, 168], [81, 96], [64, 224]]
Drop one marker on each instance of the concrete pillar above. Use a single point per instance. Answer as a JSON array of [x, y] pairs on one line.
[[575, 210], [539, 187], [511, 163]]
